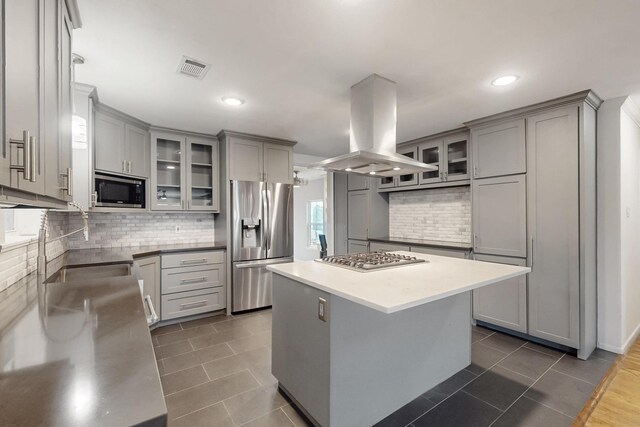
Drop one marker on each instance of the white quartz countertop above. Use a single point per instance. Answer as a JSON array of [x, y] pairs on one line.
[[399, 288]]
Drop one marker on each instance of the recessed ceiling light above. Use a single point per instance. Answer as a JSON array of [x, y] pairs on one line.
[[170, 167], [230, 100], [396, 168], [372, 173], [348, 170], [505, 80]]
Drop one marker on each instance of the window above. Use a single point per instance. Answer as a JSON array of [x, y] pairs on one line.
[[9, 220], [315, 221]]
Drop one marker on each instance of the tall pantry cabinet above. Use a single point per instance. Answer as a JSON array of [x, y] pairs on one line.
[[534, 200]]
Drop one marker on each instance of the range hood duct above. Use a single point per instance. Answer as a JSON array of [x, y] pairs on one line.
[[372, 144]]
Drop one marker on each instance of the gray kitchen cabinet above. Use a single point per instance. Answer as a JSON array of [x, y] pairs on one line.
[[388, 247], [499, 149], [256, 159], [36, 113], [432, 250], [185, 172], [503, 303], [553, 192], [340, 213], [23, 91], [4, 158], [150, 272], [121, 143], [358, 246], [401, 180], [192, 283], [499, 212], [278, 163], [358, 182], [450, 153], [358, 211]]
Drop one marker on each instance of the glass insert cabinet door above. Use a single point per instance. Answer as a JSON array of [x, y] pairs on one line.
[[168, 170], [201, 154], [457, 166], [412, 178], [430, 153]]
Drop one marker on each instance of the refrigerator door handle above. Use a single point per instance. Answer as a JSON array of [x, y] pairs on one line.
[[267, 215], [260, 264]]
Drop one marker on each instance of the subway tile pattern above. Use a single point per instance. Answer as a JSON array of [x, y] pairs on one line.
[[115, 230], [437, 214]]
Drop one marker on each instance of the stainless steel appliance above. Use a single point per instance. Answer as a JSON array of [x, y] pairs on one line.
[[372, 261], [261, 235], [119, 192]]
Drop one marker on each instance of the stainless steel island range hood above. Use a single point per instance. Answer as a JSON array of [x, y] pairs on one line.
[[372, 145]]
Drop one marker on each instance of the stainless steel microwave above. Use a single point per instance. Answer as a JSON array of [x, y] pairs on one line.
[[119, 192]]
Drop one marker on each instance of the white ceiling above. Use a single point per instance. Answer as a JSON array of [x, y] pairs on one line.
[[294, 60]]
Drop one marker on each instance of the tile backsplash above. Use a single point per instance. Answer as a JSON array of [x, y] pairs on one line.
[[439, 214], [117, 230]]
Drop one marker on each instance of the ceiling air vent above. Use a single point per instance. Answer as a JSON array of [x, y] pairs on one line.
[[192, 67]]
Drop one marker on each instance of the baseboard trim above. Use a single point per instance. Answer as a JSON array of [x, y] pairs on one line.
[[631, 339]]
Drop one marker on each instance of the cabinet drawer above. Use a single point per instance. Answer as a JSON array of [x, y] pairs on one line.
[[192, 259], [388, 247], [192, 278], [193, 302], [440, 252]]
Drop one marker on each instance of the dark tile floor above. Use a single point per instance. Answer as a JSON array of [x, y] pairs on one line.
[[217, 372]]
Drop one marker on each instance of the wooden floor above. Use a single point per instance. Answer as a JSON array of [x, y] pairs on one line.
[[616, 401]]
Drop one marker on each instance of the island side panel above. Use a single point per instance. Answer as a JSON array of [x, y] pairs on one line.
[[300, 346], [380, 362]]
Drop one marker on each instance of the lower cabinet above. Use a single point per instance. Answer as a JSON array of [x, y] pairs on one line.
[[388, 247], [504, 303], [453, 253], [357, 246], [192, 283]]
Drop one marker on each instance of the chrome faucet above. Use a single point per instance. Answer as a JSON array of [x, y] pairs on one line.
[[42, 236]]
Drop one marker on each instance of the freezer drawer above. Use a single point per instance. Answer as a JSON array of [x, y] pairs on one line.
[[193, 302], [252, 283], [192, 278], [190, 259]]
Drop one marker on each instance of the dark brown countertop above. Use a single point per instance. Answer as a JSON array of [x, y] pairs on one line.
[[421, 242]]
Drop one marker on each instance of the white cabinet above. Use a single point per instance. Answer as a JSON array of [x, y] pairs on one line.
[[185, 173], [255, 160], [553, 192], [499, 149], [121, 147], [450, 154], [499, 214], [503, 303], [150, 272]]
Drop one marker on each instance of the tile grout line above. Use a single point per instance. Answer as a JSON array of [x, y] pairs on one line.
[[575, 378], [529, 388], [467, 383], [219, 378], [477, 398], [287, 415]]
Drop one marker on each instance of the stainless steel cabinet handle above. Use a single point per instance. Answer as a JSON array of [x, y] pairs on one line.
[[25, 144], [531, 266], [193, 261], [124, 166], [69, 177], [475, 241], [191, 304], [441, 176], [475, 171], [446, 176], [130, 163], [32, 158], [194, 280], [152, 310]]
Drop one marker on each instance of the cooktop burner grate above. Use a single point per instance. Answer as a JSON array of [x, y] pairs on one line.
[[373, 261]]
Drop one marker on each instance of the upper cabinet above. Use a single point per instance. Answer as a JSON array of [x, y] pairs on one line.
[[357, 182], [35, 157], [499, 149], [450, 154], [121, 144], [402, 180], [252, 158], [185, 173]]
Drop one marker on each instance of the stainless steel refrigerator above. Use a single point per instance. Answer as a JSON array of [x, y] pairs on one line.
[[261, 235]]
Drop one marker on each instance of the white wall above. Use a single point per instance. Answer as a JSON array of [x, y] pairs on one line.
[[315, 190], [618, 224]]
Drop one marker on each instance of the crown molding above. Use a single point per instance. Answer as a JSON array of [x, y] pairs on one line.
[[74, 13], [224, 133]]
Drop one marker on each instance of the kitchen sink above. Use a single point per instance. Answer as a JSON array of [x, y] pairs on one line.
[[74, 274]]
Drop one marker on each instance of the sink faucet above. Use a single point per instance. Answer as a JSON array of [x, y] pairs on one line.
[[42, 236]]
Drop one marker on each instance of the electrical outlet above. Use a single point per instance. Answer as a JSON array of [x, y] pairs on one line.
[[177, 229], [322, 309]]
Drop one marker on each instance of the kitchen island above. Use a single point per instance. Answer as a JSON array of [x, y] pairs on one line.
[[351, 347]]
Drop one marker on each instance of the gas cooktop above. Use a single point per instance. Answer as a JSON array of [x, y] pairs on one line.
[[373, 261]]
